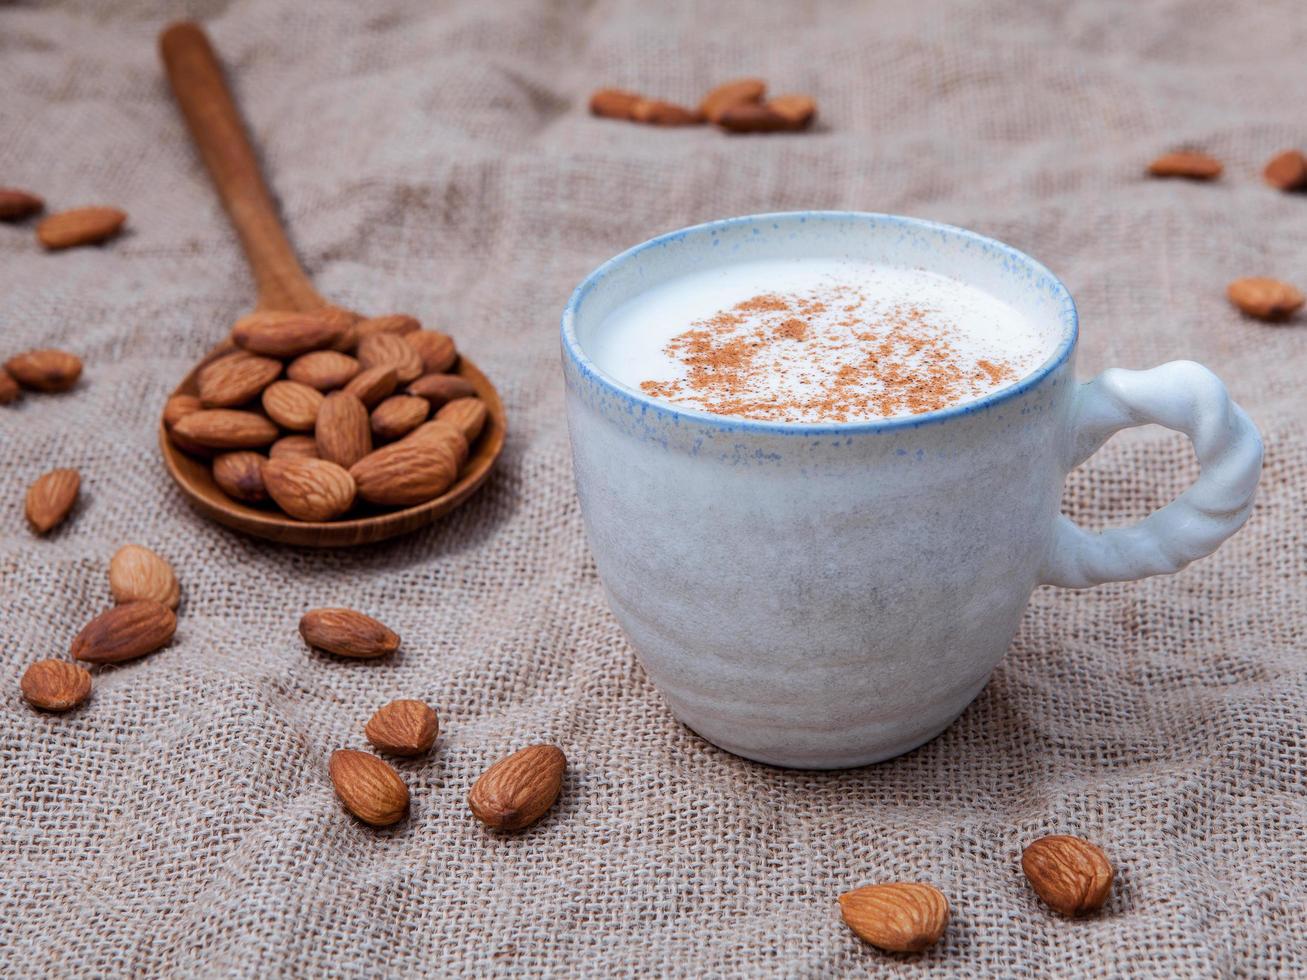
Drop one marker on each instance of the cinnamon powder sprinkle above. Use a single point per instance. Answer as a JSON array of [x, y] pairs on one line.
[[833, 357]]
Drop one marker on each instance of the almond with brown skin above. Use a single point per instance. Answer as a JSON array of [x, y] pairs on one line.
[[80, 226], [1265, 299], [45, 370], [1071, 875], [1287, 171], [749, 117], [125, 632], [342, 430], [901, 917], [51, 497], [613, 103], [436, 349], [656, 112], [16, 205], [136, 572], [292, 405], [346, 320], [388, 350], [309, 489], [240, 475], [347, 633], [398, 415], [178, 407], [404, 727], [468, 414], [9, 390], [323, 369], [55, 685], [517, 791], [294, 447], [369, 787], [797, 110], [236, 379], [1186, 163], [396, 323], [723, 97], [447, 436], [226, 428], [373, 385], [405, 473], [440, 388], [277, 333]]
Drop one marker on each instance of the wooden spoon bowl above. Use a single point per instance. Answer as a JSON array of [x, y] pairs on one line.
[[201, 92]]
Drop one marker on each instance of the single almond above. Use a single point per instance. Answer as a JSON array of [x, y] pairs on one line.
[[346, 321], [45, 370], [136, 572], [240, 475], [752, 118], [1265, 299], [1071, 875], [613, 103], [797, 110], [16, 205], [440, 388], [226, 428], [309, 489], [656, 112], [125, 632], [323, 369], [389, 350], [280, 333], [55, 685], [292, 404], [404, 727], [396, 323], [369, 787], [295, 447], [236, 378], [901, 917], [51, 497], [469, 414], [9, 390], [178, 407], [728, 94], [406, 473], [1287, 171], [436, 349], [447, 436], [1186, 163], [373, 385], [399, 415], [518, 790], [80, 226], [342, 430], [347, 633]]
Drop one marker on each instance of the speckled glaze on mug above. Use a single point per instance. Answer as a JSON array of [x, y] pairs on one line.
[[831, 595]]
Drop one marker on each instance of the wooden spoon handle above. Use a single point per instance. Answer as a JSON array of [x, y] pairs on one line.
[[206, 102]]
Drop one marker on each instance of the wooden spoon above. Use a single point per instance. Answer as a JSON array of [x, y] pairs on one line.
[[197, 82]]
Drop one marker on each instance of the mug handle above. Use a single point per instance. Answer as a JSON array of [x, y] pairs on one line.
[[1188, 398]]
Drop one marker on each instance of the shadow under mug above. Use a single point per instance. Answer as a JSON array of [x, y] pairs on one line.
[[831, 595]]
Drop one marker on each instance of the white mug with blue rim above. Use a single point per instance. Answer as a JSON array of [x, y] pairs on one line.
[[824, 595]]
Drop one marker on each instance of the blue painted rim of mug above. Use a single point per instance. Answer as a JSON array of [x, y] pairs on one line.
[[591, 371]]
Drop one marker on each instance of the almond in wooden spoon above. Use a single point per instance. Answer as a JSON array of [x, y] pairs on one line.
[[373, 385], [309, 489], [405, 727], [399, 415], [406, 473], [236, 379], [323, 369], [441, 388], [518, 790], [467, 414], [292, 405], [369, 787], [51, 498], [436, 349], [280, 333], [55, 685], [347, 633], [125, 632], [240, 475], [396, 323], [225, 428], [299, 447], [136, 572], [390, 350], [178, 407]]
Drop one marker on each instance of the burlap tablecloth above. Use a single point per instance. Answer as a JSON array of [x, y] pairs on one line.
[[438, 158]]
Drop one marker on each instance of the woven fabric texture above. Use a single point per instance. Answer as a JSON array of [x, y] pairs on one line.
[[438, 158]]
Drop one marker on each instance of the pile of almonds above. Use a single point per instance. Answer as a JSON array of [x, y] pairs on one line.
[[1259, 297], [80, 226], [739, 106], [1070, 874], [320, 411]]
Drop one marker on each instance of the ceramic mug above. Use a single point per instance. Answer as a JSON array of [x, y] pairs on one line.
[[823, 595]]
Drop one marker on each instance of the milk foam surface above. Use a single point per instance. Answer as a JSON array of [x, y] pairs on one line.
[[817, 339]]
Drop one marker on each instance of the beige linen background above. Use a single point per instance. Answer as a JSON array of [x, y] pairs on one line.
[[437, 158]]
